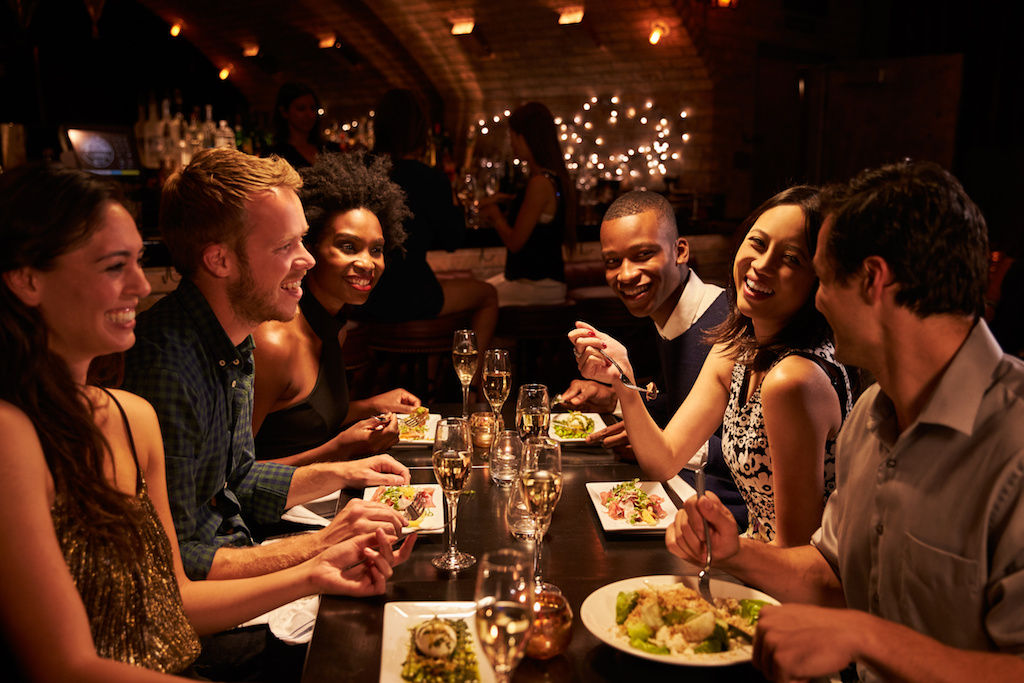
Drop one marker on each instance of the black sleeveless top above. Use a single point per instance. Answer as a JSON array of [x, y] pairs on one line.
[[319, 417], [541, 256]]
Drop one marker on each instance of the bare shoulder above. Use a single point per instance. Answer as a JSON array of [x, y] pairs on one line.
[[14, 422], [796, 378], [720, 364], [140, 412], [276, 340]]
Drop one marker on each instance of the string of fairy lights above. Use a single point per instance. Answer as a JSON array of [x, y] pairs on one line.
[[611, 138]]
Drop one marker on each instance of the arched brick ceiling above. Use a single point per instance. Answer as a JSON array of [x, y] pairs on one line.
[[408, 43]]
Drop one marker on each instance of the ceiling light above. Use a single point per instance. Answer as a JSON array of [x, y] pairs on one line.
[[176, 30], [570, 15], [250, 50], [326, 41], [658, 31], [224, 73], [462, 27]]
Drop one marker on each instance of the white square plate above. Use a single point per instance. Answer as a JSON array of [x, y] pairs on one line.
[[596, 488], [598, 424], [434, 521], [399, 617], [428, 439]]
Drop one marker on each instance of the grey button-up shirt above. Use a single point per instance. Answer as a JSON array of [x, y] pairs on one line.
[[926, 528]]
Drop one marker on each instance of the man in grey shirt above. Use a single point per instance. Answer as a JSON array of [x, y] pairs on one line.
[[917, 572]]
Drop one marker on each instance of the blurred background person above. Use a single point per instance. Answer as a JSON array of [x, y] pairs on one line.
[[540, 218], [298, 129], [409, 289]]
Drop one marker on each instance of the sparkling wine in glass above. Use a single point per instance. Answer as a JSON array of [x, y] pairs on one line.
[[464, 358], [452, 458], [497, 381], [541, 480], [533, 411], [504, 598]]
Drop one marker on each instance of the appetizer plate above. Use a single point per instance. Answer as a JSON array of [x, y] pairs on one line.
[[433, 523], [596, 488], [555, 417], [598, 615], [399, 617], [428, 433]]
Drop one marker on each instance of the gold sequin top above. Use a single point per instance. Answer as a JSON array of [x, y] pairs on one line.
[[134, 607]]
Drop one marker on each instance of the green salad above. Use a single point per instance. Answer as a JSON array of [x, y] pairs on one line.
[[675, 620], [572, 425]]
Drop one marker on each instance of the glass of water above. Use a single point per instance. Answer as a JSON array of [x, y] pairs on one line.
[[506, 454]]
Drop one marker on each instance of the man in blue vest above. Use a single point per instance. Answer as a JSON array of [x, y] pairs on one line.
[[646, 265]]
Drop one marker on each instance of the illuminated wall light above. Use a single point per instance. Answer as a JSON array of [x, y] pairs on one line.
[[588, 125], [485, 131], [321, 111], [250, 50], [326, 41], [462, 27], [570, 15], [558, 122], [686, 137], [683, 114], [615, 99], [631, 112], [176, 30], [563, 127], [612, 120], [481, 122], [632, 152], [224, 73], [577, 119], [567, 156], [593, 100], [600, 167], [507, 113], [586, 106], [598, 141], [643, 120], [346, 127], [497, 119], [614, 113], [658, 31], [648, 104], [664, 122], [675, 155], [564, 137]]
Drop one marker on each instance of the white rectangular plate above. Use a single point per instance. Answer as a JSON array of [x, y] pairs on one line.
[[434, 522], [598, 424], [399, 617], [596, 488], [428, 439]]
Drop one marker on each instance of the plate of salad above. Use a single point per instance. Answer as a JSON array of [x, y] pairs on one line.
[[432, 641], [421, 435], [664, 619], [574, 426], [400, 497], [631, 505]]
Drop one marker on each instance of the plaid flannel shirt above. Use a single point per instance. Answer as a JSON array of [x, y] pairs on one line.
[[202, 389]]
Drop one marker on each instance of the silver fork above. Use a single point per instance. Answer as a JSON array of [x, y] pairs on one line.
[[650, 392], [704, 577], [416, 419]]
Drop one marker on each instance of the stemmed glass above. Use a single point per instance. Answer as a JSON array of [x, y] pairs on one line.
[[497, 381], [464, 358], [533, 411], [504, 608], [453, 453], [541, 478]]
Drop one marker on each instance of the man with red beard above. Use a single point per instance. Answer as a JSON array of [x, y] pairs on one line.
[[233, 224], [647, 266]]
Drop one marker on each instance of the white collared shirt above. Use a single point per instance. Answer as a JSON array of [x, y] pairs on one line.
[[696, 298]]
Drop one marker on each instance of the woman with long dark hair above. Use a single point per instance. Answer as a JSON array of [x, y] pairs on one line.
[[92, 586], [298, 128], [771, 381], [540, 219]]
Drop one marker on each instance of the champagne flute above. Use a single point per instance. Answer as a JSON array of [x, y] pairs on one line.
[[533, 411], [541, 479], [504, 608], [453, 454], [497, 381], [464, 358]]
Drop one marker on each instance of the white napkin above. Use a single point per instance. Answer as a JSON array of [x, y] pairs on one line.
[[303, 515], [293, 622], [680, 488]]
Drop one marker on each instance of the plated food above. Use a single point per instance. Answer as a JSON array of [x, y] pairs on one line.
[[631, 505], [440, 650], [432, 624], [664, 619], [417, 434], [401, 497], [574, 426]]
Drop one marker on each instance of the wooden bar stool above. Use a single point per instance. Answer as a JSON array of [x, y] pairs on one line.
[[416, 354]]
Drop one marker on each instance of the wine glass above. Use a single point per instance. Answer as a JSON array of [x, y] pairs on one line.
[[464, 357], [497, 381], [541, 479], [453, 457], [504, 608], [533, 411]]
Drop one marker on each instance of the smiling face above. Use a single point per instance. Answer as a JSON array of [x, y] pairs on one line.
[[271, 259], [350, 260], [88, 299], [644, 263], [772, 272]]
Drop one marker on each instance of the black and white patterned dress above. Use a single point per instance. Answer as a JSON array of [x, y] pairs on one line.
[[745, 444]]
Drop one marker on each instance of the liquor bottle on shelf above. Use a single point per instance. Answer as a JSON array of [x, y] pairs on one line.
[[224, 136], [209, 128], [153, 148]]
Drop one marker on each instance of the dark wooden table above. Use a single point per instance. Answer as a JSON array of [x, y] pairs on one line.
[[578, 557]]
